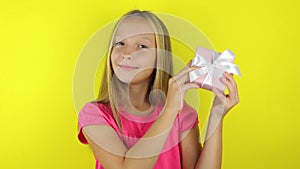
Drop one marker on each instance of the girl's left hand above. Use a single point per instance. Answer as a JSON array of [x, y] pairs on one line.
[[224, 102]]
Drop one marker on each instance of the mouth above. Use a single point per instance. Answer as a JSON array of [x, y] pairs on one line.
[[128, 67]]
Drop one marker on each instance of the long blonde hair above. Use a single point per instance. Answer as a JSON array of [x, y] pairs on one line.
[[111, 86]]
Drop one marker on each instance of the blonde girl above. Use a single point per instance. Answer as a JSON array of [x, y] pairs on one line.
[[140, 119]]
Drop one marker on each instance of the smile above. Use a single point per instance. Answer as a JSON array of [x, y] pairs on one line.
[[128, 67]]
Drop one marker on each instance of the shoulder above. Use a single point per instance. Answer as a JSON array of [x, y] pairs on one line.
[[94, 113], [95, 106]]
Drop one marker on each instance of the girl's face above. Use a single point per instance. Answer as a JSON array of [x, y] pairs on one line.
[[133, 55]]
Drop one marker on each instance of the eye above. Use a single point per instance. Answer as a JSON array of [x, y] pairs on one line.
[[119, 43], [143, 46]]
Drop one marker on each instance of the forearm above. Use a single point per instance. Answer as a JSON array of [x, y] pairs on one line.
[[145, 152], [113, 154], [211, 154]]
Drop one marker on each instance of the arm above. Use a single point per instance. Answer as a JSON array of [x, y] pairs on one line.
[[113, 154], [211, 153], [190, 148]]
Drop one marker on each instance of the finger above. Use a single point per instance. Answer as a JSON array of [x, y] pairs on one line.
[[233, 93], [233, 90], [188, 86], [184, 72], [183, 79], [230, 78], [228, 84], [190, 63], [219, 94], [186, 69]]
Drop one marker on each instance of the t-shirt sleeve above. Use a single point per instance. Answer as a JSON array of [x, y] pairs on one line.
[[90, 114], [188, 118]]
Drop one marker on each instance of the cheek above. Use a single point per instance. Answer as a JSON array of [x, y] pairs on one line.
[[113, 58], [113, 55], [148, 60]]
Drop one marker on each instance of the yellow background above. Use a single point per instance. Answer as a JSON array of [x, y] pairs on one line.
[[40, 42]]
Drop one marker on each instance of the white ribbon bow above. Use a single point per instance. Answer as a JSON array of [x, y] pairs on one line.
[[220, 64]]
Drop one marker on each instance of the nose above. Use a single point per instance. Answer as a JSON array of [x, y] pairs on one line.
[[127, 53], [126, 56]]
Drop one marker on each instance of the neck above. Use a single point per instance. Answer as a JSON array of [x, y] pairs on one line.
[[138, 94]]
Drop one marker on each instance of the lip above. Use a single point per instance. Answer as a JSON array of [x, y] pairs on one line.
[[127, 67]]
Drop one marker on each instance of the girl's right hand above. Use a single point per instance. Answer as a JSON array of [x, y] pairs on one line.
[[178, 86]]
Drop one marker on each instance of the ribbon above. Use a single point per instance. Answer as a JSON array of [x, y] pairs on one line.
[[219, 64]]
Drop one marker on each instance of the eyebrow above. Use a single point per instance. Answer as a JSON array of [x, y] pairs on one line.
[[117, 36], [146, 38]]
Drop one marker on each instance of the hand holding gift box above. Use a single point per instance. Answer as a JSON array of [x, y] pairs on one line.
[[212, 66]]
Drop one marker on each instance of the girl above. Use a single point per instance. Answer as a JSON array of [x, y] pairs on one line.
[[140, 119]]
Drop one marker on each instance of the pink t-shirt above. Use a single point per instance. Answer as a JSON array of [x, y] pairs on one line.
[[134, 127]]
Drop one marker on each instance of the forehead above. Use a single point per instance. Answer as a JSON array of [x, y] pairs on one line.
[[133, 26]]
